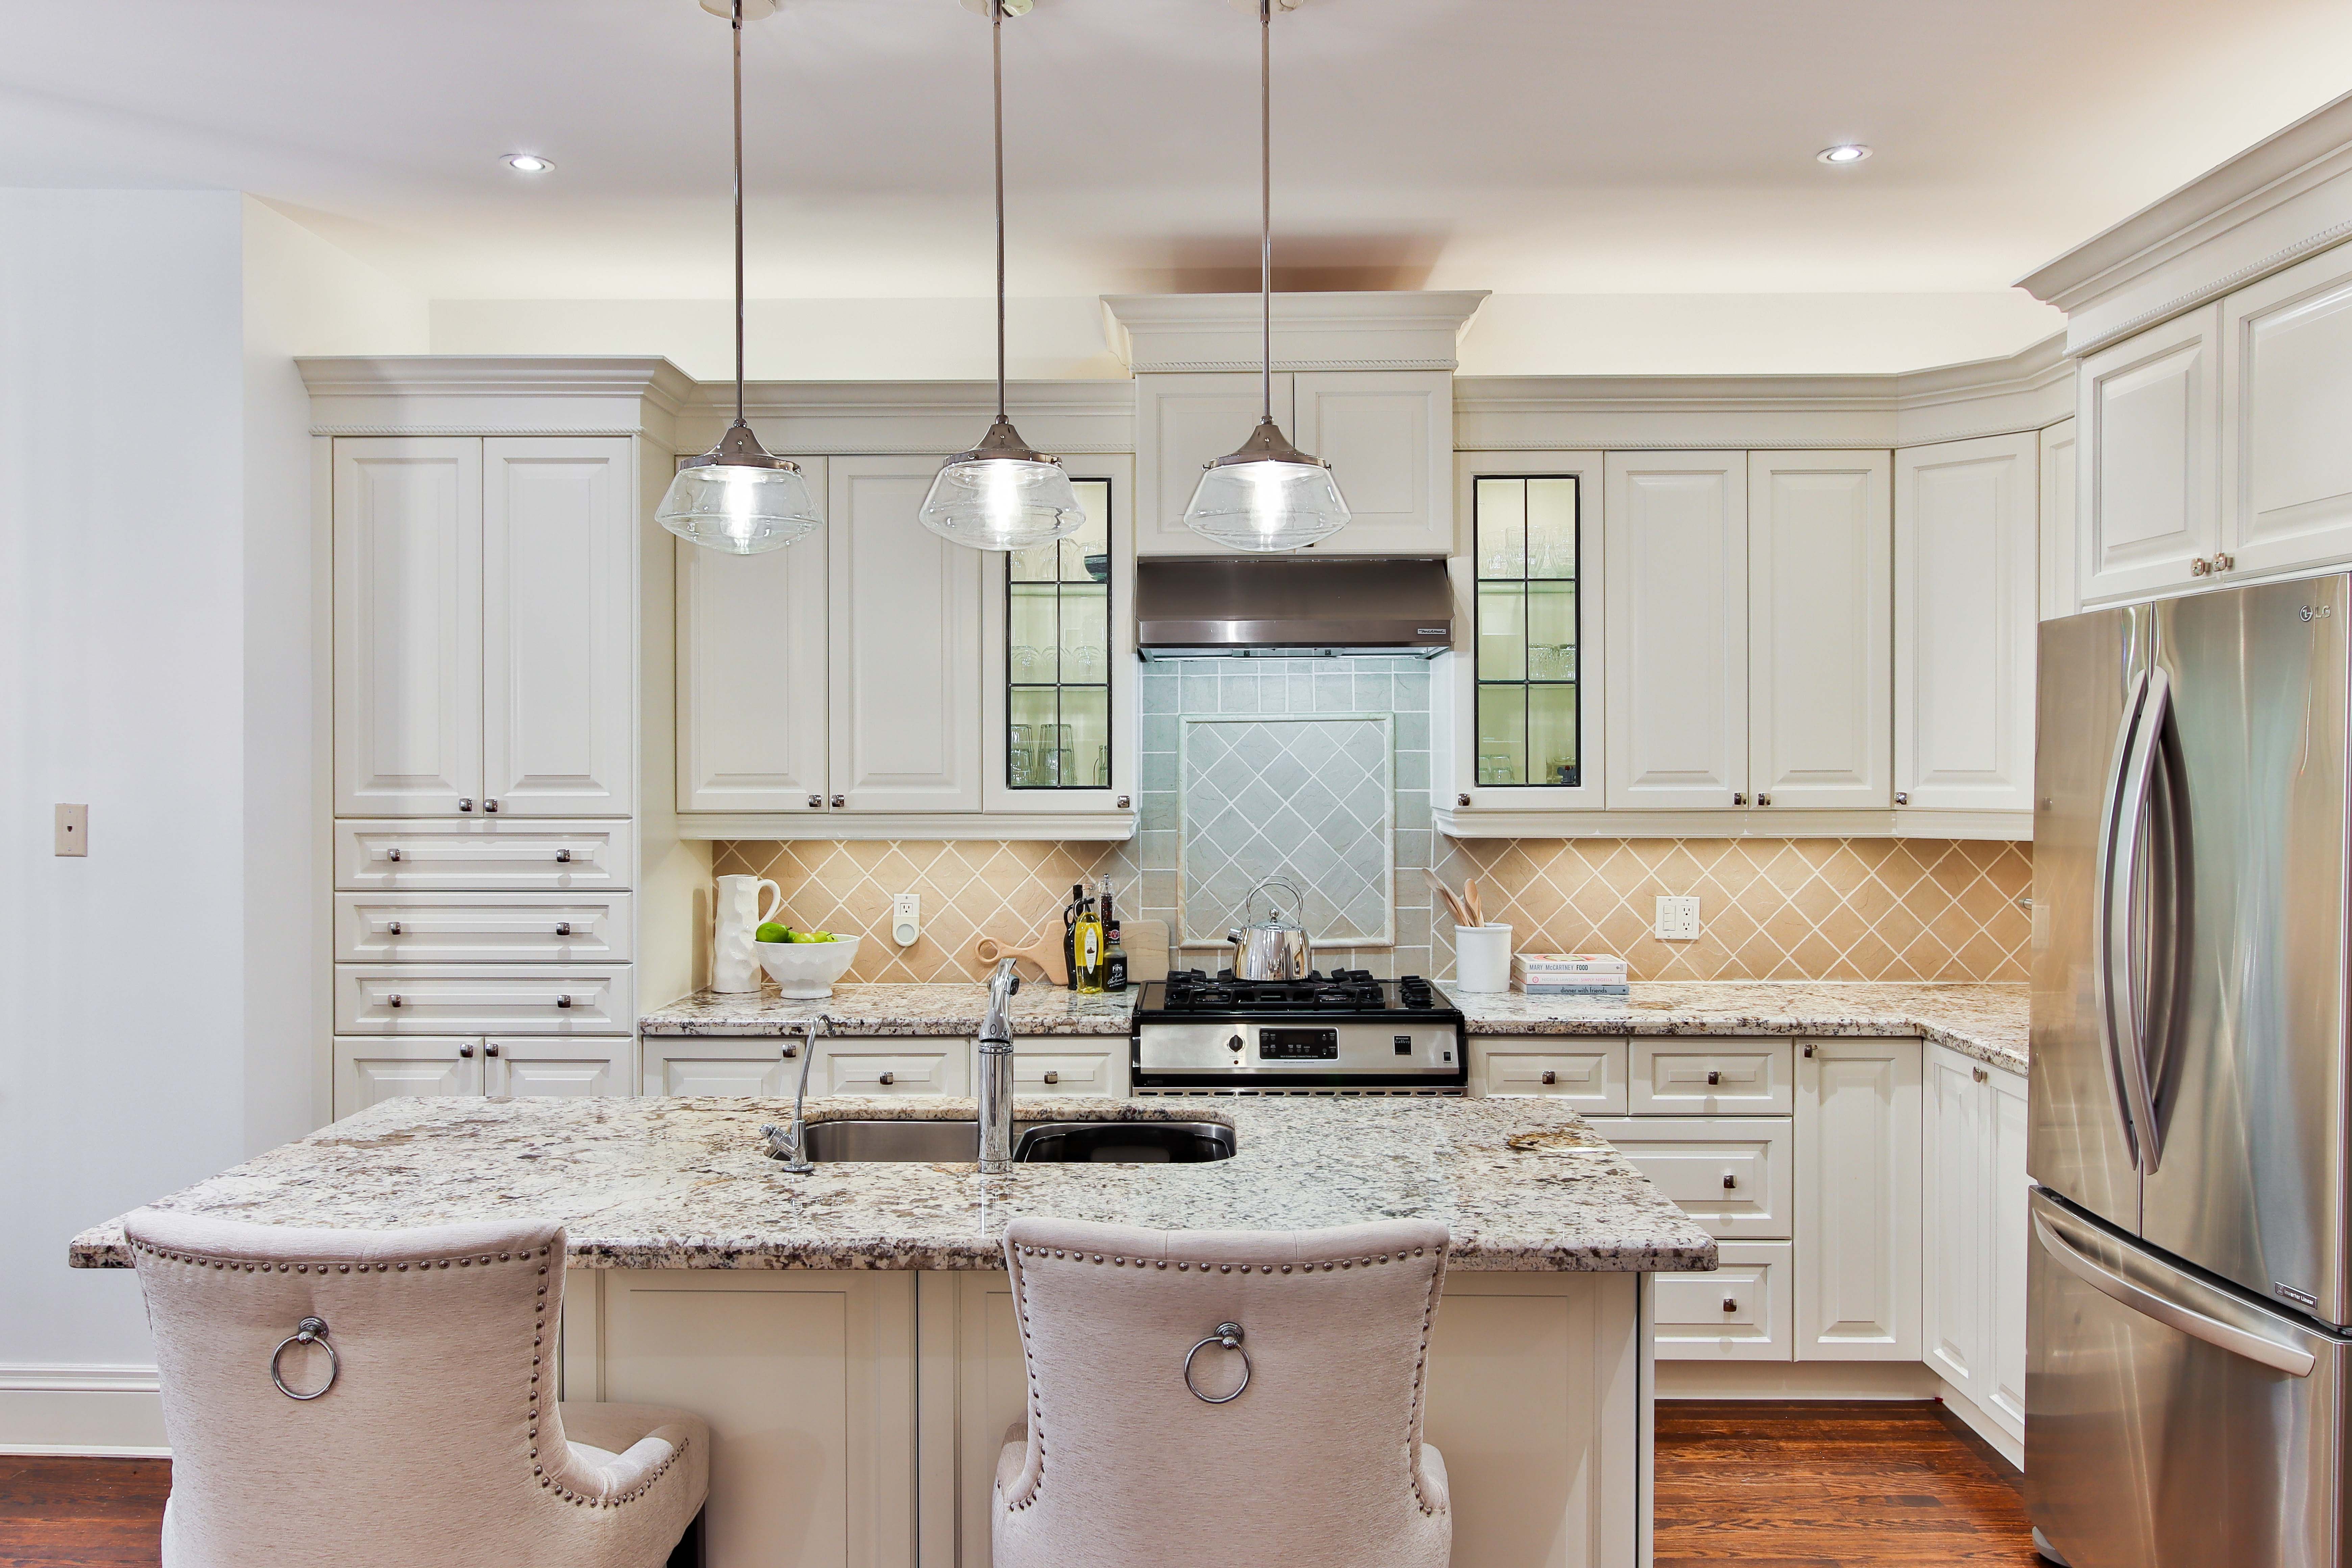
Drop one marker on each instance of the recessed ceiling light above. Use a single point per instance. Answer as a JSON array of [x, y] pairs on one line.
[[527, 163], [1843, 152]]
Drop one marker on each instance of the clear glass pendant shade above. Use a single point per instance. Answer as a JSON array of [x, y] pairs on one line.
[[1267, 498], [738, 498], [1002, 496]]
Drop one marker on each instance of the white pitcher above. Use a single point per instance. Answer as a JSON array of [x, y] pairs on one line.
[[733, 965]]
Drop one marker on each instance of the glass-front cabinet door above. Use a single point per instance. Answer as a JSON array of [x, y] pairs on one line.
[[1519, 720], [1060, 639]]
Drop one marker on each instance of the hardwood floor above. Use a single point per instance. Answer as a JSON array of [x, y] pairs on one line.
[[1814, 1485], [1777, 1485]]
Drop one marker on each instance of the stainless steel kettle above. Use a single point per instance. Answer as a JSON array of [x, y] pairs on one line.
[[1274, 948]]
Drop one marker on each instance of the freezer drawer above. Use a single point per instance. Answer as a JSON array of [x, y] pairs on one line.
[[2171, 1423]]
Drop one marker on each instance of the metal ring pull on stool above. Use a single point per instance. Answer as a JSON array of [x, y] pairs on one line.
[[1228, 1335], [309, 1332]]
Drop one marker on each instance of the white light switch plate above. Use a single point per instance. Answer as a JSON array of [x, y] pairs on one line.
[[905, 917], [73, 830], [1677, 917]]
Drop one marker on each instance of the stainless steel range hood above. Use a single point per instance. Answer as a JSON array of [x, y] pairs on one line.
[[1185, 609]]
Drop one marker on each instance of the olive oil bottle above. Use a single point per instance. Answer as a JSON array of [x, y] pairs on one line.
[[1090, 951]]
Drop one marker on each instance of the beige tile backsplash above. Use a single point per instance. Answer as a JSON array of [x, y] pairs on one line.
[[1813, 909]]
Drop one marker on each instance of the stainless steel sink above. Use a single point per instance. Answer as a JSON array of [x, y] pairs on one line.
[[1059, 1143]]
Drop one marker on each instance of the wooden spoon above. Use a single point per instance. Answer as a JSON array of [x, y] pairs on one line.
[[1470, 897]]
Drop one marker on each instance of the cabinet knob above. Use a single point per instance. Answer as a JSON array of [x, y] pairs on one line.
[[465, 802], [2224, 562], [1053, 1076], [1763, 800], [1980, 1075], [393, 1000], [1551, 1078], [465, 1050], [1731, 1303], [1739, 798], [392, 853], [491, 1049], [1902, 797], [1462, 800], [1809, 1047], [816, 803], [563, 856], [393, 928], [563, 1001], [840, 801], [1124, 803], [887, 1077], [1730, 1181], [563, 928], [1714, 1078]]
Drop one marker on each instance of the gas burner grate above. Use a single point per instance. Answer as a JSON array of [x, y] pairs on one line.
[[1342, 990]]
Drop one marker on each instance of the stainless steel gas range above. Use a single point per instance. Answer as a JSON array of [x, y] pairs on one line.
[[1342, 1033]]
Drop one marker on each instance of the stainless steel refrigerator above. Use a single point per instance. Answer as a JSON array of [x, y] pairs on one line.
[[2191, 1267]]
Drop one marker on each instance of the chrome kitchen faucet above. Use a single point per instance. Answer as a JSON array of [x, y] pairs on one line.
[[790, 1144], [993, 1078]]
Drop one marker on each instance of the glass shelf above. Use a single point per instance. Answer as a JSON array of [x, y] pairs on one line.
[[1058, 656], [1524, 528]]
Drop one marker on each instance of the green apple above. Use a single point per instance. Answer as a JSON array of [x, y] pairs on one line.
[[774, 932]]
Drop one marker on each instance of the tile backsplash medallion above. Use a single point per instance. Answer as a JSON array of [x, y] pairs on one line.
[[1813, 909]]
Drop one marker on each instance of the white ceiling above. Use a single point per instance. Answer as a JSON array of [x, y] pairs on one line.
[[1532, 146]]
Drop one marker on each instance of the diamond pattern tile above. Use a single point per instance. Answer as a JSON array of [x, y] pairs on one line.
[[1307, 798]]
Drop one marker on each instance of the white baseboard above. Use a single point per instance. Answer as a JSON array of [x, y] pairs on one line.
[[2006, 1444], [46, 1407], [1797, 1380]]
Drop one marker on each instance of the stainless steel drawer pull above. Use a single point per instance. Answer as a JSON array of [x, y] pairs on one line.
[[1551, 1078], [1902, 797], [1714, 1078], [1739, 798], [1731, 1303], [391, 854], [467, 1051], [563, 856], [1979, 1075], [393, 1000], [887, 1077], [1730, 1181], [1052, 1077], [816, 803], [840, 802], [491, 805], [491, 1049], [392, 930], [563, 1001], [563, 928], [1763, 800], [465, 802]]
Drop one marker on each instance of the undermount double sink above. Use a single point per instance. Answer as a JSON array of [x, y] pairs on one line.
[[1034, 1143]]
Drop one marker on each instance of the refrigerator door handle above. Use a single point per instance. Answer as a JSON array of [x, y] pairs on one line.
[[2107, 990], [2126, 980], [2275, 1351]]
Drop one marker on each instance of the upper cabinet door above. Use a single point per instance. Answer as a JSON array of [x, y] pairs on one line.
[[751, 674], [1819, 543], [2287, 403], [2057, 551], [2149, 409], [1677, 634], [1182, 422], [408, 626], [558, 626], [906, 651], [1389, 438], [1964, 624]]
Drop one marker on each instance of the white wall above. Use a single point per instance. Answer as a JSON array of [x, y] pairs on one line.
[[155, 664]]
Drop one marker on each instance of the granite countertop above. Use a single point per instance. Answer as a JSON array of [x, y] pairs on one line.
[[688, 1183], [908, 1009], [1986, 1022]]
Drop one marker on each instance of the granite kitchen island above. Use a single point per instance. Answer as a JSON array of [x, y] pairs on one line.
[[849, 1334]]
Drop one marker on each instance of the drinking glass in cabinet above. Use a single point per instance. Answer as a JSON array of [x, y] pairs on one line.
[[1102, 767], [1020, 756], [1502, 528]]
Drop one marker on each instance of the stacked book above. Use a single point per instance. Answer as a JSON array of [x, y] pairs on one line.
[[1567, 974]]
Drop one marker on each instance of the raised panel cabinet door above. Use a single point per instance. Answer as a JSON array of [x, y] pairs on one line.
[[408, 626], [2058, 547], [368, 1071], [2286, 401], [1820, 626], [1965, 623], [752, 687], [519, 1065], [1182, 422], [904, 645], [1953, 1207], [1389, 438], [1858, 1200], [1677, 667], [558, 626], [2010, 1243], [2149, 412]]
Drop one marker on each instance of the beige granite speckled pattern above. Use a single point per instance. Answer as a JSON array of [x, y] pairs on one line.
[[1988, 1022], [879, 1009], [686, 1183]]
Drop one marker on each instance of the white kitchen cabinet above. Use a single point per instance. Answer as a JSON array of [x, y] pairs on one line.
[[1677, 583], [753, 679], [1738, 1310], [1058, 1067], [1857, 1283], [515, 1066], [1965, 623], [1819, 540], [370, 1071], [1389, 438], [462, 855], [2286, 402], [1710, 1076], [513, 998], [1182, 422], [1975, 1234], [2148, 410], [408, 545], [1735, 1176], [2060, 454], [1589, 1074], [482, 927], [915, 1067], [695, 1066]]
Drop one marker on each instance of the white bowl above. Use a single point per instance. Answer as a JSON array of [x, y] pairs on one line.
[[805, 971]]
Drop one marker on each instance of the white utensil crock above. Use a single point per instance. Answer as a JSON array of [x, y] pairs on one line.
[[733, 965], [1482, 959]]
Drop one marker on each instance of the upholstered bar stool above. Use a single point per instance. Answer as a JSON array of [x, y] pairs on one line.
[[386, 1399], [1247, 1398]]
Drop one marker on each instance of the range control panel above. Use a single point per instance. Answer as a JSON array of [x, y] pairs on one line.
[[1382, 1049]]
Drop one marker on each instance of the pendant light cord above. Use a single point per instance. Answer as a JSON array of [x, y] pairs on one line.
[[1265, 202], [738, 28], [996, 50]]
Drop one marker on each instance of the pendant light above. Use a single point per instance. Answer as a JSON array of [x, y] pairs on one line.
[[1270, 496], [737, 497], [1001, 495]]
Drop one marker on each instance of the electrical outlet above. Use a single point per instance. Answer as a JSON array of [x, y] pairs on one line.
[[73, 830], [905, 917], [1677, 917]]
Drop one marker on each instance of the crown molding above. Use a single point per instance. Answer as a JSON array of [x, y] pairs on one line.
[[536, 395], [1390, 329], [817, 418], [2277, 201]]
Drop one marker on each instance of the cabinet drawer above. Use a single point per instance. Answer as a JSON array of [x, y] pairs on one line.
[[505, 856], [1735, 1175], [1740, 1311], [481, 928], [1711, 1078], [506, 999], [920, 1065], [1086, 1071], [531, 1066], [369, 1071], [678, 1064], [1588, 1074]]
